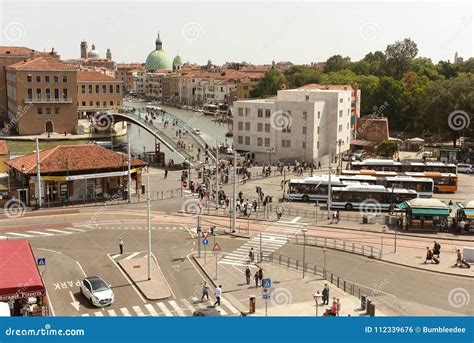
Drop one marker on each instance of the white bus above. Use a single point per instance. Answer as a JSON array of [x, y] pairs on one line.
[[376, 197], [312, 188]]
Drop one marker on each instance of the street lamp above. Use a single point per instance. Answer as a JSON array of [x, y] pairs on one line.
[[270, 151], [304, 230], [324, 262], [339, 162], [316, 297]]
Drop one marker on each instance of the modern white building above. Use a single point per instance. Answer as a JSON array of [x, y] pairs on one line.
[[299, 124]]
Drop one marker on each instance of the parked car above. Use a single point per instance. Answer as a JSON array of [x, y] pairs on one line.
[[359, 154], [98, 292], [349, 157], [207, 312], [465, 168]]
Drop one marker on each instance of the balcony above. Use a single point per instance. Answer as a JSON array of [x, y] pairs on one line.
[[45, 100]]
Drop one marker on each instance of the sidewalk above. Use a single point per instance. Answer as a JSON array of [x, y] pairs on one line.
[[291, 294]]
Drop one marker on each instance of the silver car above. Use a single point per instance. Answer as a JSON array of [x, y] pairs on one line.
[[97, 291]]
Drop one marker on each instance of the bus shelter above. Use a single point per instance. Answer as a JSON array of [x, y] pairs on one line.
[[426, 214]]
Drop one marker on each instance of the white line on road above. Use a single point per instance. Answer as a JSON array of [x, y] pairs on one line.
[[151, 309], [85, 315], [40, 233], [17, 234], [295, 219], [229, 305], [127, 278], [3, 237], [164, 309], [178, 310], [112, 313], [138, 311], [59, 231], [125, 312], [131, 256], [99, 314], [82, 269]]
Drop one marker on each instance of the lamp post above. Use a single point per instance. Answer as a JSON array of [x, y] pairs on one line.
[[304, 230], [339, 161], [324, 262], [270, 151]]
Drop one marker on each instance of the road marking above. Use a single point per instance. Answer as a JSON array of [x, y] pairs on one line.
[[125, 312], [75, 229], [131, 256], [3, 237], [17, 234], [187, 305], [99, 314], [112, 313], [82, 269], [127, 278], [115, 256], [85, 315], [59, 231], [151, 309], [229, 305], [40, 233], [178, 310], [138, 311], [164, 309], [295, 220]]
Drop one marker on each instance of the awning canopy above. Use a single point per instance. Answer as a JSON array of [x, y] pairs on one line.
[[402, 205], [469, 213], [429, 212]]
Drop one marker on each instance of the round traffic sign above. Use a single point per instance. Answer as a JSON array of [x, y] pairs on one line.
[[185, 183], [205, 242]]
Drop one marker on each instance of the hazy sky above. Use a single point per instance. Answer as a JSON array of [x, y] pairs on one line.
[[257, 32]]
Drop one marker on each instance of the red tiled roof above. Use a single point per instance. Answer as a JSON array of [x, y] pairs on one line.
[[74, 158], [327, 87], [90, 75], [4, 148], [41, 63], [16, 50]]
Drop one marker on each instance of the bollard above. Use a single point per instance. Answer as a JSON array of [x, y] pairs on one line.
[[252, 304]]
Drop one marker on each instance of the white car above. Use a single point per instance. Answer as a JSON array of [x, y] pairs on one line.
[[97, 291], [464, 168]]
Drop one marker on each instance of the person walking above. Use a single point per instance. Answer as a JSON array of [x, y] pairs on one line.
[[260, 276], [338, 306], [166, 173], [205, 291], [121, 245], [436, 249], [251, 255], [325, 294], [218, 294], [429, 255], [256, 279], [247, 275], [458, 258]]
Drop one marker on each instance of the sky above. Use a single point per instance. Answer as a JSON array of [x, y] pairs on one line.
[[252, 31]]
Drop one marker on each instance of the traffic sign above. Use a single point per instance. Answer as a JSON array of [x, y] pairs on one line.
[[267, 283], [205, 242], [185, 184], [205, 234], [41, 261], [216, 248]]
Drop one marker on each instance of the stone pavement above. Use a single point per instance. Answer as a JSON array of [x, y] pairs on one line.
[[137, 269], [291, 294]]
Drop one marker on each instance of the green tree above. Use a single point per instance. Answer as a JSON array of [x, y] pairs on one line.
[[447, 69], [269, 85], [387, 148], [335, 63], [424, 67], [299, 76], [398, 57], [394, 93]]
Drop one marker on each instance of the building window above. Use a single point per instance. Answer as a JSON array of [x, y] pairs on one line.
[[96, 89], [340, 128], [48, 93], [39, 110], [56, 93], [348, 112], [48, 110], [117, 89], [241, 111], [90, 89], [105, 103], [30, 93], [319, 114], [288, 143], [306, 97], [318, 129], [247, 112], [247, 140], [56, 79], [283, 143], [341, 100], [118, 103], [104, 89], [29, 78], [38, 78], [304, 130], [259, 127], [240, 139], [247, 126], [267, 142], [64, 78], [111, 89], [84, 103], [304, 145], [260, 113], [348, 126], [305, 116], [317, 145], [91, 103], [340, 113], [111, 103], [46, 78], [267, 127], [56, 110], [97, 103], [65, 97], [267, 113], [83, 88], [241, 125], [259, 141]]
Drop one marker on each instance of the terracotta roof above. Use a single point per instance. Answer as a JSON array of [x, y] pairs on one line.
[[327, 87], [86, 158], [41, 63], [89, 75], [4, 148], [16, 50]]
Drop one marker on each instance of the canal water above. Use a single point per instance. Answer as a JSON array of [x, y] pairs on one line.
[[140, 139]]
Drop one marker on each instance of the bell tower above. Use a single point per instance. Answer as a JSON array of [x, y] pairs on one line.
[[83, 49]]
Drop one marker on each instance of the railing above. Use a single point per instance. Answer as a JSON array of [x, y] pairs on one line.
[[338, 244], [318, 271], [43, 100]]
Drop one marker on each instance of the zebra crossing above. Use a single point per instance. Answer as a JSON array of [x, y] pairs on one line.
[[138, 228], [42, 233], [271, 239], [167, 308]]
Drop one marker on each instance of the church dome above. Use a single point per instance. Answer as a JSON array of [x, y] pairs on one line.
[[93, 53], [177, 61], [158, 58]]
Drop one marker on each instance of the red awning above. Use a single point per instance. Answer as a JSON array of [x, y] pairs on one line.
[[19, 274]]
